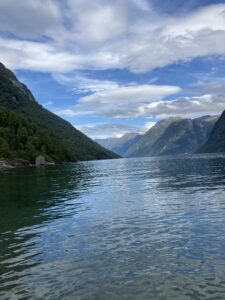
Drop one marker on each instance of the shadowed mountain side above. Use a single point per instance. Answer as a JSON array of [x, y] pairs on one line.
[[15, 96], [216, 141], [183, 137], [174, 136], [144, 145]]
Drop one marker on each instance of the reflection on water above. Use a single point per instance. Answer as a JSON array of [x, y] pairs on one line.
[[149, 228]]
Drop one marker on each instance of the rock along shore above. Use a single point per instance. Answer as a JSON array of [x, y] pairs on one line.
[[7, 163]]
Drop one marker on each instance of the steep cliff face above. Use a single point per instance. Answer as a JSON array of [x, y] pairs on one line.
[[174, 136], [15, 96], [216, 141]]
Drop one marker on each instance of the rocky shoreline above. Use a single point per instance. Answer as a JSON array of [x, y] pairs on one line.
[[8, 163]]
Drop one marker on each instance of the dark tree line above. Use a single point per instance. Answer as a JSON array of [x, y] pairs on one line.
[[21, 138]]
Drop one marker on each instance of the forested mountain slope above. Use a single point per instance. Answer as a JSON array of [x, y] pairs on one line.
[[16, 96]]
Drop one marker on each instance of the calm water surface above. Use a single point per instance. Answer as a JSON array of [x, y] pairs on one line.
[[122, 229]]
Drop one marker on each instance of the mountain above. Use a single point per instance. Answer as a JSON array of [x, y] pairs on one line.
[[216, 141], [184, 136], [20, 138], [120, 145], [16, 97], [144, 145], [174, 136]]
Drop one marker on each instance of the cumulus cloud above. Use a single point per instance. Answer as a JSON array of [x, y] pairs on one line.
[[187, 106], [97, 21], [44, 57], [105, 34], [211, 87], [109, 129], [67, 37], [35, 56], [111, 99]]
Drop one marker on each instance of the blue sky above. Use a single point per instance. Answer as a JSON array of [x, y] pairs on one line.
[[113, 67]]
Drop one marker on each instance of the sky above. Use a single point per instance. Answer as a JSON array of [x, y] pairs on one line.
[[114, 67]]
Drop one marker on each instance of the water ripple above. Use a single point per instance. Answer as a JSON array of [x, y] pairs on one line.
[[150, 228]]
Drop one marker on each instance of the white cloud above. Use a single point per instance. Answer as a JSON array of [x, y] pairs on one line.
[[187, 106], [64, 37], [211, 87], [29, 19], [35, 56], [150, 53], [211, 17], [105, 34], [98, 21], [49, 57], [104, 130], [79, 83], [111, 99], [109, 129]]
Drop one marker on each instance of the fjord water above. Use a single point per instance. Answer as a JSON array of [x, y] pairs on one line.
[[148, 228]]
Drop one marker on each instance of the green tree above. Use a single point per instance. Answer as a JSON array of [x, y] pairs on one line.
[[4, 149]]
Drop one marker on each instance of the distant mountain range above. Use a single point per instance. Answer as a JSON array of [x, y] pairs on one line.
[[171, 136], [17, 98], [120, 145], [27, 129]]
